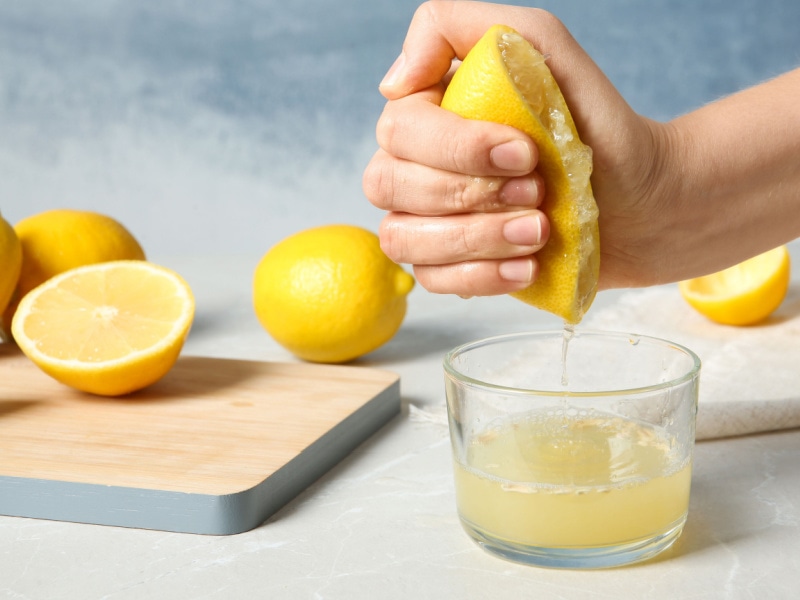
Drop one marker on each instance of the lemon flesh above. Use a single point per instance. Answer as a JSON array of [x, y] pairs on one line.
[[108, 329], [505, 80], [744, 294]]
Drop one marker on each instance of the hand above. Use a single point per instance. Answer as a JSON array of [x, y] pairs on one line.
[[462, 195]]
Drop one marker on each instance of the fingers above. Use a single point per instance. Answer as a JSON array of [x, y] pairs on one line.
[[407, 238], [434, 162], [416, 127], [478, 278], [405, 186]]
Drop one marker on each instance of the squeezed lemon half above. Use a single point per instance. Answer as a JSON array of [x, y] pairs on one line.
[[504, 79]]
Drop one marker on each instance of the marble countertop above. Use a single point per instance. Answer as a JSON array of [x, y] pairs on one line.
[[382, 523]]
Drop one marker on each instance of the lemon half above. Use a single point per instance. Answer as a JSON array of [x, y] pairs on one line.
[[504, 79], [109, 329], [743, 294]]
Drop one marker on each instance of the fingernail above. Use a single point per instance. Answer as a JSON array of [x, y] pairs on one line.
[[519, 269], [520, 191], [512, 156], [523, 231], [393, 74]]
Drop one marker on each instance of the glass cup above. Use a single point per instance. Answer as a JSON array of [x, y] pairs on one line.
[[572, 450]]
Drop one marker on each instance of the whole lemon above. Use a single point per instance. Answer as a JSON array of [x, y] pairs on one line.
[[58, 240], [10, 262], [329, 294], [55, 241]]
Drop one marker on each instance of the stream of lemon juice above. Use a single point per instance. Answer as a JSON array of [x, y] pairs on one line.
[[573, 479]]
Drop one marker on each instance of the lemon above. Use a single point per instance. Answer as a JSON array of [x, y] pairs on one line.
[[743, 294], [10, 262], [110, 328], [57, 240], [329, 294], [505, 80]]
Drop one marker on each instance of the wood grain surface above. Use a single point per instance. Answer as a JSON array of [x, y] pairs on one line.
[[211, 426]]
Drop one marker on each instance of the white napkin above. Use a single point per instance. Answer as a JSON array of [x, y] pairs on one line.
[[750, 376]]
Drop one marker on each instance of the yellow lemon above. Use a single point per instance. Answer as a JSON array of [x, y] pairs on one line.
[[505, 80], [743, 294], [110, 328], [329, 294], [58, 240], [10, 262]]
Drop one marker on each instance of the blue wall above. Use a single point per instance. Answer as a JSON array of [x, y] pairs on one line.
[[221, 126]]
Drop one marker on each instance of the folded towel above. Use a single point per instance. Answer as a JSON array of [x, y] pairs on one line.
[[750, 376]]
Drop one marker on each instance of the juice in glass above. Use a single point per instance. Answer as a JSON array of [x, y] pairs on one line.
[[572, 482]]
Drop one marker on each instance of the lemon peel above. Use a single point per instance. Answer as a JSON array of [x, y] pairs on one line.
[[744, 294], [504, 79], [329, 294]]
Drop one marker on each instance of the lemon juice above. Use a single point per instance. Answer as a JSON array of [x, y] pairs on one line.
[[574, 480]]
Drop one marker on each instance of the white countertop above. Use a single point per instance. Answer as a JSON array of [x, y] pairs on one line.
[[382, 523]]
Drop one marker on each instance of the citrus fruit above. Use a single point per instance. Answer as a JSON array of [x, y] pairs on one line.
[[743, 294], [329, 294], [505, 80], [109, 328], [57, 240], [10, 262]]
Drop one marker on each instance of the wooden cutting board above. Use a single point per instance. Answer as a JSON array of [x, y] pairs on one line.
[[215, 447]]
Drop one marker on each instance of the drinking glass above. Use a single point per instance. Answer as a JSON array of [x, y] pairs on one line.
[[572, 450]]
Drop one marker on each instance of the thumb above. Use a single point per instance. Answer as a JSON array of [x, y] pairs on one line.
[[440, 32]]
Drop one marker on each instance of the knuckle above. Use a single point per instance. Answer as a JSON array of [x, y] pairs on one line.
[[386, 128], [425, 277], [460, 151], [377, 182], [462, 241], [456, 196], [469, 149], [393, 240]]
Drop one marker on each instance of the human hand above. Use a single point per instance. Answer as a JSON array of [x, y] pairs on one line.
[[462, 195]]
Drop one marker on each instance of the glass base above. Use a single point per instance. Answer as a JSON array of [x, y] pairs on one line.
[[576, 558]]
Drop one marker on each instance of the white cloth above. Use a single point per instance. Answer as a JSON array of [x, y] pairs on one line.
[[750, 376]]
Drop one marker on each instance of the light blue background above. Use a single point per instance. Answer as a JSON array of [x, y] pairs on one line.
[[219, 127]]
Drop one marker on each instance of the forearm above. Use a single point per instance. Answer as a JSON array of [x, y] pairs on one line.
[[740, 158]]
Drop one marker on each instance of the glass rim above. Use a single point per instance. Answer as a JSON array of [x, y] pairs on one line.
[[454, 373]]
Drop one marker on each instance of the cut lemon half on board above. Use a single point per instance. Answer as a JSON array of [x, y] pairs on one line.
[[505, 80], [743, 294], [109, 329]]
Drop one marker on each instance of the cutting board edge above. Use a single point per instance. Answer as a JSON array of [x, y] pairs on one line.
[[197, 513]]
